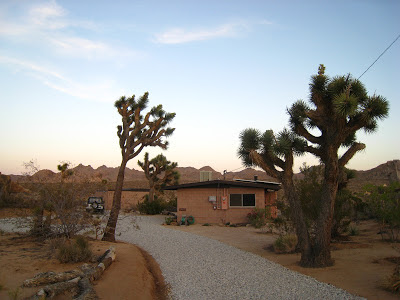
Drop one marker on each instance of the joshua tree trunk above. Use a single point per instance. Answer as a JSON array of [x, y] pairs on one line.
[[152, 190], [109, 231], [322, 254], [298, 218]]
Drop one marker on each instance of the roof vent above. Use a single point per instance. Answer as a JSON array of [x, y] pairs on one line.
[[255, 177], [205, 176]]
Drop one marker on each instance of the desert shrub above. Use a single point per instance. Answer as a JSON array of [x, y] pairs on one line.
[[345, 209], [285, 243], [310, 190], [353, 230], [258, 217], [392, 283], [14, 294], [171, 204], [96, 223], [151, 208], [74, 251], [384, 204], [282, 225], [64, 201], [169, 220]]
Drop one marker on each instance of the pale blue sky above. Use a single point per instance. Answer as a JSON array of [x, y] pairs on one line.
[[222, 66]]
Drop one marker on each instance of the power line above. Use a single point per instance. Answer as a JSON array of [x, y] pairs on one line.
[[236, 169], [379, 56]]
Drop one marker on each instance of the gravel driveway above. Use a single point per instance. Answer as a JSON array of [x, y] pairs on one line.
[[198, 267]]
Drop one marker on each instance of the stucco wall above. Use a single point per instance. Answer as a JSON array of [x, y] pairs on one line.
[[194, 202], [128, 198]]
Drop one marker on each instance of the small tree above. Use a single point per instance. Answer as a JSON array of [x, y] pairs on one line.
[[63, 200], [275, 155], [309, 189], [136, 133], [384, 203], [38, 201], [160, 172]]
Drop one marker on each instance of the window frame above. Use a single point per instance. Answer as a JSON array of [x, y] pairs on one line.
[[241, 198]]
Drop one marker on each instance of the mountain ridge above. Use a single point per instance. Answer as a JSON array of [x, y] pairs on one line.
[[382, 174]]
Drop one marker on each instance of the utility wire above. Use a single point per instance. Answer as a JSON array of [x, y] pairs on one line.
[[379, 56], [236, 169]]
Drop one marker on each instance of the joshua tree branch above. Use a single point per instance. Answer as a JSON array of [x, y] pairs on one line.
[[350, 153], [258, 161], [301, 130], [313, 150]]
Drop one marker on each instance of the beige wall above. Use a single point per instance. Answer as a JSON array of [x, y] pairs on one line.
[[128, 199], [194, 202]]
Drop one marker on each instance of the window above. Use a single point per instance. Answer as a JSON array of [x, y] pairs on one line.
[[239, 200]]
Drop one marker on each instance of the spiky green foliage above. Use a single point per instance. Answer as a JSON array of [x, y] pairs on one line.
[[137, 130], [336, 110], [340, 107], [268, 150], [160, 172]]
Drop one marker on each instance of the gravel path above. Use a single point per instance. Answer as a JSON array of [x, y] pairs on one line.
[[198, 267]]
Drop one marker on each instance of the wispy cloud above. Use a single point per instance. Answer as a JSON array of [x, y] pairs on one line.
[[48, 15], [53, 37], [180, 36], [49, 26], [29, 66], [102, 91]]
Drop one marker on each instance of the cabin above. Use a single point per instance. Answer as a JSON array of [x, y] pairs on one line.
[[223, 201]]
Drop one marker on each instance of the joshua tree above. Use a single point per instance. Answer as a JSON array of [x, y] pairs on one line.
[[339, 108], [137, 131], [275, 155], [154, 168]]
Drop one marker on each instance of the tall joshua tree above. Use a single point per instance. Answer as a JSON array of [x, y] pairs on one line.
[[160, 172], [136, 132], [339, 107]]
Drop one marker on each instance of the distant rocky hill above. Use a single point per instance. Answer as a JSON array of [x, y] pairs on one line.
[[382, 174]]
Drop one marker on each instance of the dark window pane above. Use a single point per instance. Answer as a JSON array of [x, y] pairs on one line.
[[235, 200], [249, 200]]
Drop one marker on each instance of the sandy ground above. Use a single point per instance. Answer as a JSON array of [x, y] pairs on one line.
[[133, 275], [360, 264]]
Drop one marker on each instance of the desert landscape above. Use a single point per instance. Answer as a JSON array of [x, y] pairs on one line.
[[155, 150], [362, 262], [133, 275]]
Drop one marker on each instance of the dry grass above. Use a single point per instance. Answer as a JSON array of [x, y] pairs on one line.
[[285, 244]]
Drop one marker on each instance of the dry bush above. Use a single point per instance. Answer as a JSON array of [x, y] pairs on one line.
[[285, 244], [74, 251], [392, 282]]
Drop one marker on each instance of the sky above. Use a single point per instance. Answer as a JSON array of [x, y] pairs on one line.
[[221, 66]]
